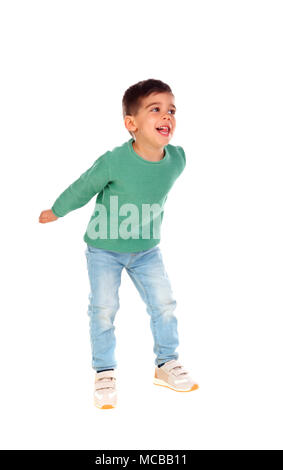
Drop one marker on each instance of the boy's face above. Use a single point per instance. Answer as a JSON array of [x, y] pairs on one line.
[[156, 110]]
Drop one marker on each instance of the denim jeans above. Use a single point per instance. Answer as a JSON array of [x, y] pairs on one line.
[[146, 269]]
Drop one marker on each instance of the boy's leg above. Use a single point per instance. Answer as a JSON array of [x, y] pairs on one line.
[[148, 273], [105, 277]]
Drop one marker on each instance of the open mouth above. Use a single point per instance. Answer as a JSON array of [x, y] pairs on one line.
[[163, 130]]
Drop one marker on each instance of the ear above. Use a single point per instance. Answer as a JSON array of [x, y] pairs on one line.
[[130, 123]]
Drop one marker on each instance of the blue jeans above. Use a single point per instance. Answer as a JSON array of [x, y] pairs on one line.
[[146, 269]]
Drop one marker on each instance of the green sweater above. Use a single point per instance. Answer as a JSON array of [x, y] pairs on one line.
[[131, 195]]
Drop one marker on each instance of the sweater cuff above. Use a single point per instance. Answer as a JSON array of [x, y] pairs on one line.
[[55, 212]]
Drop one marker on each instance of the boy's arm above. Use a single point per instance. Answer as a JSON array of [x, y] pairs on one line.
[[84, 188]]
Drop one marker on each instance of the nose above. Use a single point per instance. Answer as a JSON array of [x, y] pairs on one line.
[[167, 116]]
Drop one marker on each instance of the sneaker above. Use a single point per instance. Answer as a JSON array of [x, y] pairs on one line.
[[105, 393], [173, 375]]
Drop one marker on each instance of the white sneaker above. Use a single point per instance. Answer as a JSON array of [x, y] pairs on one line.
[[105, 393], [173, 375]]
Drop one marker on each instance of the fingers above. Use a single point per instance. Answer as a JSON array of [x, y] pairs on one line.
[[43, 220], [47, 216]]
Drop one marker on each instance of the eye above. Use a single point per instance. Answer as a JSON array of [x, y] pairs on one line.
[[154, 108], [172, 111]]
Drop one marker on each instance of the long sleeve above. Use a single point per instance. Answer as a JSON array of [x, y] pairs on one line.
[[84, 188]]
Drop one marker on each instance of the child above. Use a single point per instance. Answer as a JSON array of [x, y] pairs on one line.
[[133, 178]]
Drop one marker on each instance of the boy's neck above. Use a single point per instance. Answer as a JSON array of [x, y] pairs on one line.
[[148, 152]]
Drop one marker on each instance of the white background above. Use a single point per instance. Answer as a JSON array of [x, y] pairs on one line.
[[64, 68]]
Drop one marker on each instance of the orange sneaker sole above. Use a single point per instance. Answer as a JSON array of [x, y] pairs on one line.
[[194, 387], [104, 407]]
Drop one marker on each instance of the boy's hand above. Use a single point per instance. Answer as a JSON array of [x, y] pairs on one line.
[[47, 216]]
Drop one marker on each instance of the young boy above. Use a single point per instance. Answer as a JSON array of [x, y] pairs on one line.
[[133, 178]]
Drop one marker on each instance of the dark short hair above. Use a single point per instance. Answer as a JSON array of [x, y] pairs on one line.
[[132, 97]]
